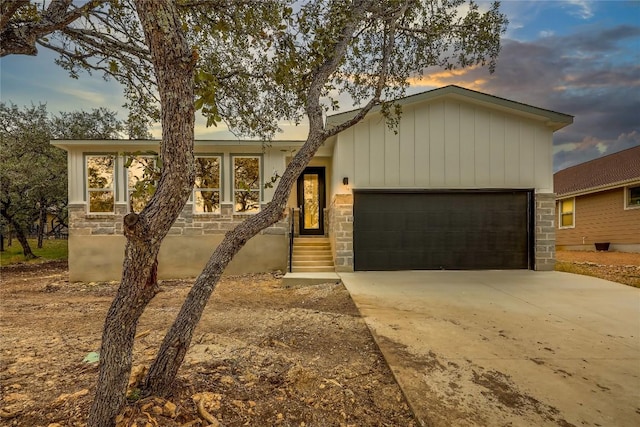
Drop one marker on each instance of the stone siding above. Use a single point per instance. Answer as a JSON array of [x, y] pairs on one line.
[[341, 235], [187, 224], [545, 232]]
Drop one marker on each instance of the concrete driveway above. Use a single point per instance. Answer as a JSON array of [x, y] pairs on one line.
[[517, 348]]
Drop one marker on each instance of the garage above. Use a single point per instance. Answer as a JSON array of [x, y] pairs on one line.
[[436, 230]]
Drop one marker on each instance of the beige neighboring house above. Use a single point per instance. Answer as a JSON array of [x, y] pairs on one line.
[[598, 202], [464, 182]]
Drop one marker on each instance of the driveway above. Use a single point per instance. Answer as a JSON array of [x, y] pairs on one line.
[[517, 348]]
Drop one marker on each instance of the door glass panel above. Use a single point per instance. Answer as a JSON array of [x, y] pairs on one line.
[[311, 198]]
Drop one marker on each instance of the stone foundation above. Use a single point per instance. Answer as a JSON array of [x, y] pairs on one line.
[[545, 232], [96, 245], [341, 235]]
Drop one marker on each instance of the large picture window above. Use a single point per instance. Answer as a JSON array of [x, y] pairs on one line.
[[100, 184], [140, 181], [206, 193], [567, 212], [246, 184], [632, 197]]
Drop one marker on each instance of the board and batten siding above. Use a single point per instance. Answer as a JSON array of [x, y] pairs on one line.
[[446, 144], [601, 217]]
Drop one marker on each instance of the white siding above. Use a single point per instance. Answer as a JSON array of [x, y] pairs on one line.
[[447, 143]]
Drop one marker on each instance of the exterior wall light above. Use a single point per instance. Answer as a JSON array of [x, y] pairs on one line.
[[345, 180]]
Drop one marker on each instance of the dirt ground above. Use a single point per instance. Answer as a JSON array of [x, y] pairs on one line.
[[263, 355], [621, 267]]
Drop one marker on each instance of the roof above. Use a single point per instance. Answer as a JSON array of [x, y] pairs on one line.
[[552, 119], [602, 173]]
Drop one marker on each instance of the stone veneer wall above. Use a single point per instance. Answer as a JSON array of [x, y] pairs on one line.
[[341, 234], [545, 231], [96, 245], [187, 224]]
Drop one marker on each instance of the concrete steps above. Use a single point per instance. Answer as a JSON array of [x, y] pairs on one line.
[[312, 254]]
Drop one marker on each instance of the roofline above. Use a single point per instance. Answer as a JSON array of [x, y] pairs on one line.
[[554, 119], [598, 189], [70, 143]]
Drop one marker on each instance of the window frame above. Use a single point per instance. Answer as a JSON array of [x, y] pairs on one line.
[[88, 190], [219, 189], [259, 188], [627, 197], [126, 177], [561, 213]]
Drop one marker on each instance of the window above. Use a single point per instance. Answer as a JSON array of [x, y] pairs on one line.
[[140, 181], [206, 194], [566, 209], [246, 184], [100, 189], [632, 197]]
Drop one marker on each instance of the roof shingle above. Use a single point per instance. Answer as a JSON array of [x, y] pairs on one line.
[[615, 168]]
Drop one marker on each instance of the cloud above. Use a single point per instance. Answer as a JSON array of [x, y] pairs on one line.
[[571, 154], [583, 9], [592, 74]]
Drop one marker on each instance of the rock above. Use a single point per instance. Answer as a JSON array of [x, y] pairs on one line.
[[169, 409]]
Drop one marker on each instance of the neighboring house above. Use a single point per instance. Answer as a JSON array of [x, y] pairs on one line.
[[599, 202], [464, 182]]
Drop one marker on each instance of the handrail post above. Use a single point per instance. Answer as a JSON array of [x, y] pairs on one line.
[[291, 228]]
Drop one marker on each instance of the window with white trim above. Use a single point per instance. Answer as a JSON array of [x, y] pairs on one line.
[[632, 197], [206, 192], [246, 184], [100, 183], [141, 182], [567, 213]]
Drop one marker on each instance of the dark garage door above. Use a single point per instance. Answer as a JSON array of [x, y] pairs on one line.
[[442, 230]]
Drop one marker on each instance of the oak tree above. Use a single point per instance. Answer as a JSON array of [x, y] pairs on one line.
[[249, 64]]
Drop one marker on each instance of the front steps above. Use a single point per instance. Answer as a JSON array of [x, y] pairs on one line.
[[312, 255]]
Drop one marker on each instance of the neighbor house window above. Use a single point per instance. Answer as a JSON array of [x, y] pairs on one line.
[[632, 197], [567, 211], [246, 184], [206, 193], [141, 181], [100, 184]]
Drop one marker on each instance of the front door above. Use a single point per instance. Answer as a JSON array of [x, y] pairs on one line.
[[311, 199]]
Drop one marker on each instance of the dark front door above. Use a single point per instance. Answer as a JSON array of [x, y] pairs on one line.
[[311, 197]]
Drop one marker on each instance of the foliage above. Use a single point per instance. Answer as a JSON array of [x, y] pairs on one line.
[[52, 250], [99, 123], [252, 63], [33, 173]]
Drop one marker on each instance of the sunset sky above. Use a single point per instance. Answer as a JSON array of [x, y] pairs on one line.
[[576, 57]]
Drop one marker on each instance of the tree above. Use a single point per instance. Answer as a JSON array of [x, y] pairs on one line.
[[27, 183], [246, 63], [34, 173], [99, 123]]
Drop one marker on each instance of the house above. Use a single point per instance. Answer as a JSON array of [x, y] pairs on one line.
[[464, 182], [599, 202]]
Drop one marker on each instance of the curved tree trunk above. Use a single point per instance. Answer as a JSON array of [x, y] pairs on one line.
[[173, 67], [164, 368], [22, 239], [163, 371]]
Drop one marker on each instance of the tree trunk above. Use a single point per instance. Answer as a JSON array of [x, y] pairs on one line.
[[42, 222], [22, 239], [163, 370], [173, 66]]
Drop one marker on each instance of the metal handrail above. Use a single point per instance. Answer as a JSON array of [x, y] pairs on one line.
[[291, 228]]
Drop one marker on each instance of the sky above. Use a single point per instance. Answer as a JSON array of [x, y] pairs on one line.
[[576, 57]]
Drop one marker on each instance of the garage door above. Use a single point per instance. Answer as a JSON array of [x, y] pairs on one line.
[[442, 230]]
